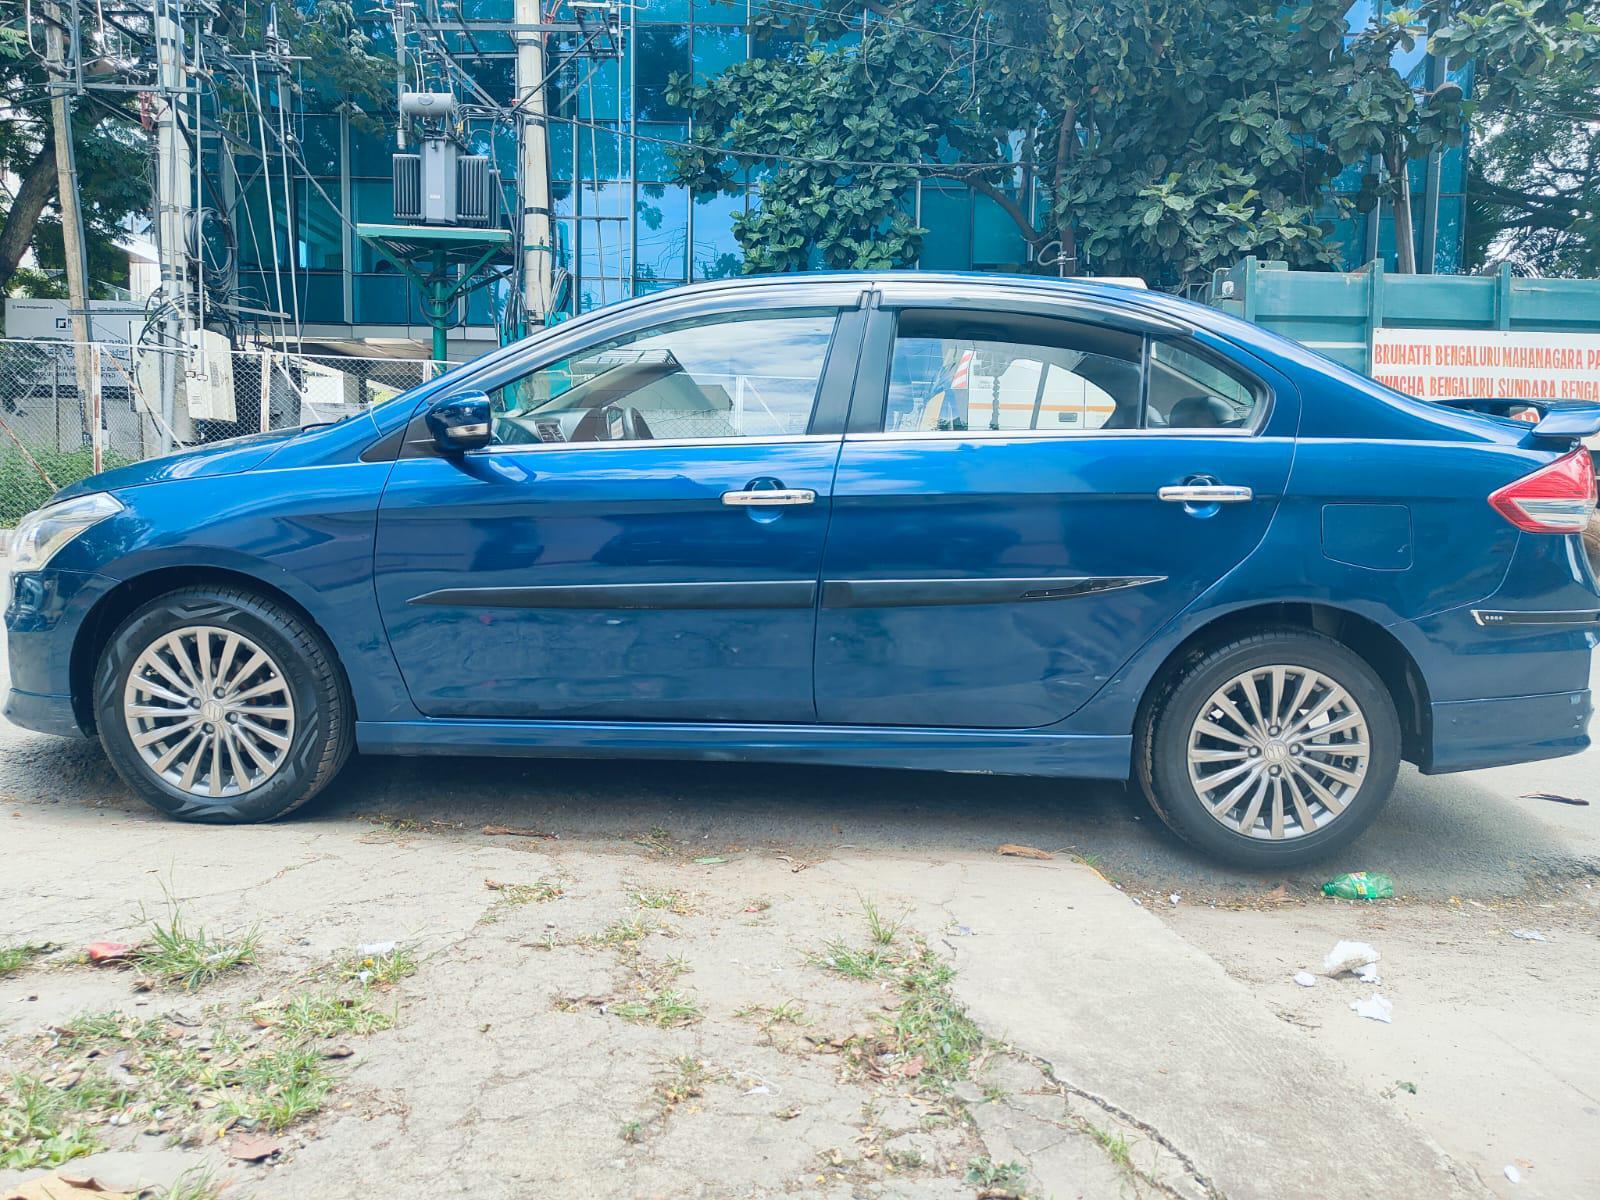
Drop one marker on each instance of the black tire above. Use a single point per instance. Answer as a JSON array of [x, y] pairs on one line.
[[1167, 719], [322, 734]]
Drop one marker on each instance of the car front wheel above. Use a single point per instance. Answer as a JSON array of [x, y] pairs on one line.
[[1272, 750], [220, 705]]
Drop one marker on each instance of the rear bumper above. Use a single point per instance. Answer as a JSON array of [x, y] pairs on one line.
[[43, 714], [1469, 734]]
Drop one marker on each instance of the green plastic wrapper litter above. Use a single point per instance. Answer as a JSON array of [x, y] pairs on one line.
[[1360, 885]]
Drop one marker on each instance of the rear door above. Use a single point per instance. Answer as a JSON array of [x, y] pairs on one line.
[[644, 539], [1027, 493]]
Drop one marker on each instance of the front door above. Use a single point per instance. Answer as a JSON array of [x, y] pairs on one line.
[[643, 540], [1005, 531]]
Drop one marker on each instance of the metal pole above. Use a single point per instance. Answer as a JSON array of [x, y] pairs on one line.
[[172, 186], [67, 199], [533, 168]]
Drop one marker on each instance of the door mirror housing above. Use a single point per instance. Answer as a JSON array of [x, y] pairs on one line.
[[461, 423]]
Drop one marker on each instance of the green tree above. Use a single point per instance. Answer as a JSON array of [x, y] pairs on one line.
[[1154, 137], [1534, 176]]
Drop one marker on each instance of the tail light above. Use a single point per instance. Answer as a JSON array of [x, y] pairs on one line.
[[1558, 498]]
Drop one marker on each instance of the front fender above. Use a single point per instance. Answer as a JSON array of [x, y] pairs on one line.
[[305, 532]]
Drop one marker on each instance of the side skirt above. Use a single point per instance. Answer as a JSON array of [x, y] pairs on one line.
[[988, 751]]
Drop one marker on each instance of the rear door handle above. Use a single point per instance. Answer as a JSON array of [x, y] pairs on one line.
[[1206, 493], [769, 497]]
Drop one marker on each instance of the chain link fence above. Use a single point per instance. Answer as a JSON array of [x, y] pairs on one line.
[[70, 409]]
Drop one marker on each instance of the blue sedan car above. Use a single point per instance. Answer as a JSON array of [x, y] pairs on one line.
[[951, 522]]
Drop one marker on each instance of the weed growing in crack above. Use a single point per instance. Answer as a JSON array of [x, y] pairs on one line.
[[42, 1125], [305, 1016], [14, 958], [986, 1173], [663, 1009], [620, 934], [929, 1036], [1115, 1145], [194, 1184], [667, 901], [278, 1088], [191, 958], [384, 969]]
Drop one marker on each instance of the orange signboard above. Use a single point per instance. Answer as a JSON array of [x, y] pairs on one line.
[[1453, 364]]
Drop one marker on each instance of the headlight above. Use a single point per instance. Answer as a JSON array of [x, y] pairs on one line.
[[45, 530]]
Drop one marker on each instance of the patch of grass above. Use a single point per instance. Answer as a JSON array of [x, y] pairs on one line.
[[688, 1079], [666, 1009], [788, 1013], [870, 962], [274, 1090], [194, 1184], [389, 967], [309, 1015], [40, 1123], [190, 958], [1115, 1145], [629, 931], [928, 1024], [14, 958], [632, 1132], [673, 902], [986, 1173], [882, 929], [515, 895], [657, 841]]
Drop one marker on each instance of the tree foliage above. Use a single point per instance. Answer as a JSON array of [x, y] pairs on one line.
[[1154, 137], [1534, 179]]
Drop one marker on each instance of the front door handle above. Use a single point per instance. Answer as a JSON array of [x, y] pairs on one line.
[[1206, 493], [769, 497]]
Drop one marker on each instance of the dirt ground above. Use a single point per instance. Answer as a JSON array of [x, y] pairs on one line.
[[724, 981]]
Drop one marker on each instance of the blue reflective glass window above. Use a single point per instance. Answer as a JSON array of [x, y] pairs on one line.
[[660, 52], [652, 149], [384, 298], [997, 243], [496, 76], [1447, 252], [716, 48], [320, 228], [602, 91], [603, 249], [319, 145], [716, 253], [259, 224], [371, 202], [321, 296], [661, 229], [487, 10], [723, 12], [371, 150], [562, 148], [563, 201], [602, 153], [566, 240], [947, 216], [1452, 169], [603, 199], [656, 11]]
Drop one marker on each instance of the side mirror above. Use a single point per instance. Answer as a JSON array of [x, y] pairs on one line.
[[461, 423]]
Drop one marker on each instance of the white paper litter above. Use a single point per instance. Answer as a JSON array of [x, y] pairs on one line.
[[1305, 979], [374, 948], [1368, 974], [1348, 956], [1529, 935], [1375, 1007], [1513, 1174]]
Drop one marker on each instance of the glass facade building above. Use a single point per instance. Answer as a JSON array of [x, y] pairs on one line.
[[621, 227]]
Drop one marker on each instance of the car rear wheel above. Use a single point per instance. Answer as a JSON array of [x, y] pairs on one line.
[[1272, 750], [219, 705]]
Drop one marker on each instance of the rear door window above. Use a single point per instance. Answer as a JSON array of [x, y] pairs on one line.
[[956, 372]]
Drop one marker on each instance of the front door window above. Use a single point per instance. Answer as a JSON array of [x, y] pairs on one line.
[[732, 376]]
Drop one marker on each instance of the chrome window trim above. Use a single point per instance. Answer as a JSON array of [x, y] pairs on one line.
[[1025, 435], [764, 440]]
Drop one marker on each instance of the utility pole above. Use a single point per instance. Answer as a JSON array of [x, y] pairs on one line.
[[71, 212], [173, 171], [533, 167]]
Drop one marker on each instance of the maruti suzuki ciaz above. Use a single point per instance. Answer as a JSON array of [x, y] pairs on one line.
[[962, 523]]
